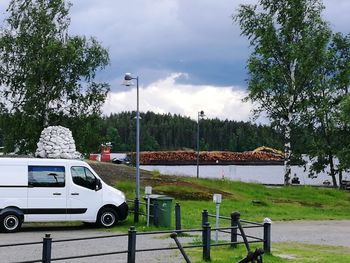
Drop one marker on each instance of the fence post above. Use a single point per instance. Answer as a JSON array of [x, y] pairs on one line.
[[131, 245], [136, 210], [267, 235], [204, 217], [155, 214], [177, 217], [206, 241], [47, 244], [235, 216]]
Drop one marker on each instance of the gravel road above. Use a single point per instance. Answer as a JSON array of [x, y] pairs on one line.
[[313, 232]]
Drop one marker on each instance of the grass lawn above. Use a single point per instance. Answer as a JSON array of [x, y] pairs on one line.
[[253, 201], [282, 252]]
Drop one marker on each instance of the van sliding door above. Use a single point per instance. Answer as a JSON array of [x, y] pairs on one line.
[[47, 194]]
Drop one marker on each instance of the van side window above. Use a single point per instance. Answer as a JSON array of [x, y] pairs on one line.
[[46, 176], [82, 176]]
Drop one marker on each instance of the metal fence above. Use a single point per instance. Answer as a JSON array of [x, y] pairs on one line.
[[235, 221], [152, 206], [132, 235]]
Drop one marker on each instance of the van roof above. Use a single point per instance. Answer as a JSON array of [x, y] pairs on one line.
[[39, 161]]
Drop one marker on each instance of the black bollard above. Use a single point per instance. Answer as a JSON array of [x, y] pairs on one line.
[[177, 217], [47, 245]]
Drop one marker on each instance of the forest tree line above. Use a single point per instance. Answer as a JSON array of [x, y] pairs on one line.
[[158, 132], [174, 132], [298, 77]]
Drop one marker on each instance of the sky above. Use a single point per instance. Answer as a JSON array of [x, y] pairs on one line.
[[188, 54]]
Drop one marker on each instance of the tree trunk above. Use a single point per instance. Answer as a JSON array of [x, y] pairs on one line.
[[340, 178], [287, 151], [45, 113], [288, 121], [332, 170]]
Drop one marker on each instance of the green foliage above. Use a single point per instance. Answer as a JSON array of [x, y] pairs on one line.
[[345, 108], [126, 187], [322, 115], [288, 39], [155, 173], [113, 137], [47, 76], [344, 152], [174, 132]]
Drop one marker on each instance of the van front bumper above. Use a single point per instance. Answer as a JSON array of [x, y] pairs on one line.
[[123, 210]]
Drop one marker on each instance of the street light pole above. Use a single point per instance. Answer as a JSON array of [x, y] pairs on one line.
[[127, 82], [200, 115]]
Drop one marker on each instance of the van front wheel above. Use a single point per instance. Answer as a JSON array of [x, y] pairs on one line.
[[10, 222], [107, 217]]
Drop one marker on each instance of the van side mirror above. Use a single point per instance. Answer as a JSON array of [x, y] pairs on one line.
[[98, 185]]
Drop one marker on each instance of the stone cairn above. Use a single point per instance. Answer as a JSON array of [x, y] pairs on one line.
[[57, 142]]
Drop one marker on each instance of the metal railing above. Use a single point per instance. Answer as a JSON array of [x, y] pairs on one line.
[[235, 221], [132, 235], [154, 215]]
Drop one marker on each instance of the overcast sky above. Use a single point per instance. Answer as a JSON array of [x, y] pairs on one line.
[[188, 54]]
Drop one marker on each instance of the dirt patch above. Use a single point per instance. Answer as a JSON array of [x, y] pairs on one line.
[[162, 184], [189, 190], [301, 203], [194, 195], [112, 173]]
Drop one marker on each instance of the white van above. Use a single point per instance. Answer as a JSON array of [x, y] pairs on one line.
[[44, 190]]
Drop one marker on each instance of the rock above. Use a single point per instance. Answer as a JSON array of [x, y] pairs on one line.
[[66, 156], [41, 154], [40, 145], [72, 146], [47, 148], [57, 142], [53, 156]]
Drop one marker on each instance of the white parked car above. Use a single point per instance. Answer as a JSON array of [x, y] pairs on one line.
[[44, 190]]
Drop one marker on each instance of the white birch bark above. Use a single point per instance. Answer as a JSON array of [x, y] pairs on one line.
[[287, 150], [45, 115], [288, 122]]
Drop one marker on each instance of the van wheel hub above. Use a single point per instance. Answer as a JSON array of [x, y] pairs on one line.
[[108, 219], [11, 222]]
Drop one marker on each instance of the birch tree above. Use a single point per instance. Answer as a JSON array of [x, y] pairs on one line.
[[288, 40], [45, 73], [325, 111]]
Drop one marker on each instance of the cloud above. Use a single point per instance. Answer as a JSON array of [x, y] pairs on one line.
[[156, 37], [167, 95]]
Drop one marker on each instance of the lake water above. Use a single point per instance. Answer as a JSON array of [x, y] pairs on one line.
[[264, 174]]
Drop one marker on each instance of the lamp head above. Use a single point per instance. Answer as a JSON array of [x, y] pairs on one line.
[[128, 76], [128, 80]]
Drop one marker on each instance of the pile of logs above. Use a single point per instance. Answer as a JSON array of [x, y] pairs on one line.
[[210, 158]]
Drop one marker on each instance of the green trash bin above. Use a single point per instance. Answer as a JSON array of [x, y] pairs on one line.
[[164, 209]]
